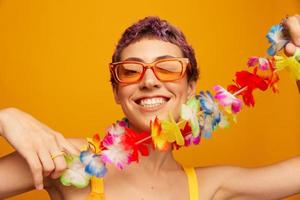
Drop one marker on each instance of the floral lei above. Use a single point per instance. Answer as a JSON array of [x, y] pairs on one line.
[[199, 117]]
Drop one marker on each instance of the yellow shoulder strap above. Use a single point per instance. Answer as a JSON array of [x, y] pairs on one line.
[[97, 189], [193, 182]]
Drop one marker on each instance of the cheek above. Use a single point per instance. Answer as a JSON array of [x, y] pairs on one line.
[[124, 95], [180, 90]]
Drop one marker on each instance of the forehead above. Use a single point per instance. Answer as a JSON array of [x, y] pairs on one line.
[[150, 49]]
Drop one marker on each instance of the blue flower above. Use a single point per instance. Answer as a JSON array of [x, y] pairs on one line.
[[211, 113], [210, 108], [277, 39], [207, 102], [94, 165]]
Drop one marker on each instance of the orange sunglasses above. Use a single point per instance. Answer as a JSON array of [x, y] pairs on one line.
[[168, 69]]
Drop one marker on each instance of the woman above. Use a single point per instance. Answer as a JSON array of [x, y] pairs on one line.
[[142, 98]]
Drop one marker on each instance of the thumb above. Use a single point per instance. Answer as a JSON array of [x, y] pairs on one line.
[[290, 49]]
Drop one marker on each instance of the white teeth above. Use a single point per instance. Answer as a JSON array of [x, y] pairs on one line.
[[152, 102]]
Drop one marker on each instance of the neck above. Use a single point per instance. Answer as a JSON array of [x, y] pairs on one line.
[[158, 161]]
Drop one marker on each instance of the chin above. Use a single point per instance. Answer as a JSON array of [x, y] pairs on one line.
[[141, 125], [141, 122]]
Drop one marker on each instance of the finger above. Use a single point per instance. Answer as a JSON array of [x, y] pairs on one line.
[[36, 168], [293, 25], [62, 141], [66, 145], [59, 162], [46, 161], [290, 49]]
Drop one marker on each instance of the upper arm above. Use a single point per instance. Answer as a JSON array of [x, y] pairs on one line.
[[15, 175], [212, 180], [269, 182]]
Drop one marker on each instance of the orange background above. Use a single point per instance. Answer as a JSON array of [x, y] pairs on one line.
[[54, 55]]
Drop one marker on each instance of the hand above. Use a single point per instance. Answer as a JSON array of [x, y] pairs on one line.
[[292, 25], [36, 142]]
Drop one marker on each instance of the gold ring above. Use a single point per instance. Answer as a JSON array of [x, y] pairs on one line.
[[53, 156]]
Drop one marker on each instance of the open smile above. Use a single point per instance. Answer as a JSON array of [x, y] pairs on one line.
[[152, 103]]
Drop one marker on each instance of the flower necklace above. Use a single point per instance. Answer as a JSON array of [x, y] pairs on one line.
[[199, 117]]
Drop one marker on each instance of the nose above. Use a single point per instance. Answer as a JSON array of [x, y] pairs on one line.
[[149, 81]]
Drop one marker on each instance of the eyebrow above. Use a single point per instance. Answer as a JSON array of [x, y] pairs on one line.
[[141, 60]]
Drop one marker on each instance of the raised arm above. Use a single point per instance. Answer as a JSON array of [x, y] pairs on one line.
[[271, 182]]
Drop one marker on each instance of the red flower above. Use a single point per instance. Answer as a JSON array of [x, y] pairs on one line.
[[273, 78], [244, 85], [138, 142]]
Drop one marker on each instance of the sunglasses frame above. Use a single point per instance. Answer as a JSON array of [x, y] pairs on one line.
[[184, 63]]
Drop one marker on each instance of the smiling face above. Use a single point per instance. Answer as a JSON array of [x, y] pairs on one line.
[[143, 101]]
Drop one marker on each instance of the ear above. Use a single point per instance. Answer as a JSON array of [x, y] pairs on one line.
[[116, 95], [192, 85]]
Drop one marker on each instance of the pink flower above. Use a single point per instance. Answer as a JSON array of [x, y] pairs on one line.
[[227, 100], [262, 63]]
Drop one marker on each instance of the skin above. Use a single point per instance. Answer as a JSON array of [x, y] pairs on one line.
[[177, 92], [158, 176], [293, 25], [21, 130]]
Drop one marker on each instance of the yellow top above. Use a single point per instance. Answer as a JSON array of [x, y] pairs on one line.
[[97, 186], [97, 189], [193, 182]]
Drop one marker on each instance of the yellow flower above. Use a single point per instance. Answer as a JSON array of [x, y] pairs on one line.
[[171, 132], [159, 140]]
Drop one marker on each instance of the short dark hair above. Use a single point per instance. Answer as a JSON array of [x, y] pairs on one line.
[[154, 27]]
